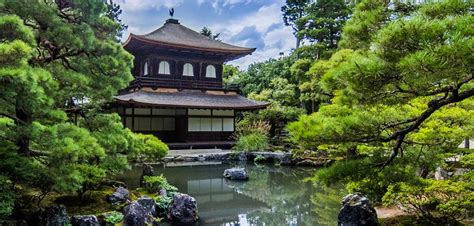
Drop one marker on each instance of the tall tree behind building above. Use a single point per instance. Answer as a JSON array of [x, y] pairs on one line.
[[293, 11]]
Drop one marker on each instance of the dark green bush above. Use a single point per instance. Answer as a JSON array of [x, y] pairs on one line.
[[433, 199], [362, 176], [7, 197]]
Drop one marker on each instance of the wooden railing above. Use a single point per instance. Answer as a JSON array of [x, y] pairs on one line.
[[154, 82]]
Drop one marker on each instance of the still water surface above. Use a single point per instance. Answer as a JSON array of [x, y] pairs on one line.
[[274, 195]]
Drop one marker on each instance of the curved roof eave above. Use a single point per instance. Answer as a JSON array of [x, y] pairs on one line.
[[132, 37]]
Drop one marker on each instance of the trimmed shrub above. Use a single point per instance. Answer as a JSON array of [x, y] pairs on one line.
[[147, 146]]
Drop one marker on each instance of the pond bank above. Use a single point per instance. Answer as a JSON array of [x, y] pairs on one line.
[[281, 158]]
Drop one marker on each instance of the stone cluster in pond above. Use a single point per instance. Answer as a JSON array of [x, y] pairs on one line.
[[357, 211], [236, 174], [282, 158]]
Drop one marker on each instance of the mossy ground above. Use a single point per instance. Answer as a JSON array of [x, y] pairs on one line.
[[409, 220], [92, 203]]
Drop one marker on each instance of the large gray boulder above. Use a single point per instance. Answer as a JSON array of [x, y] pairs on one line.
[[441, 174], [86, 220], [149, 204], [236, 174], [120, 195], [135, 214], [183, 209], [55, 216], [357, 211]]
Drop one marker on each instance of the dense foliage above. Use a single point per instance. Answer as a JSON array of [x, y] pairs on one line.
[[400, 85], [387, 85], [60, 64]]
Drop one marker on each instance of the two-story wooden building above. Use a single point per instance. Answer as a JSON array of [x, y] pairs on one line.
[[177, 93]]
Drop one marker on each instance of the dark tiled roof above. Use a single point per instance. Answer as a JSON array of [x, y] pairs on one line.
[[190, 99], [174, 34]]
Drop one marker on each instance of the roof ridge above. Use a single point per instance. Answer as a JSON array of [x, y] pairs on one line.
[[180, 35]]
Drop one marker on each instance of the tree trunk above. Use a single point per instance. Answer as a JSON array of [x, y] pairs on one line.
[[298, 42], [351, 152], [23, 142]]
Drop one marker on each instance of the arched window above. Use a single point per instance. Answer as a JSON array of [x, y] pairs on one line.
[[145, 68], [188, 69], [210, 71], [164, 68]]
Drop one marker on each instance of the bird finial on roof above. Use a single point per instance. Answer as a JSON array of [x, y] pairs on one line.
[[171, 12]]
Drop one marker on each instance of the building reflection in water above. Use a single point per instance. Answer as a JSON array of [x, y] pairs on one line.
[[272, 196]]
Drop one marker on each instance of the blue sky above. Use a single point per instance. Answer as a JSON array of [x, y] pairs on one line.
[[249, 23]]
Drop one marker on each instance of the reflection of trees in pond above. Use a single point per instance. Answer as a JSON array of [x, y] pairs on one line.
[[272, 196], [287, 194], [326, 203]]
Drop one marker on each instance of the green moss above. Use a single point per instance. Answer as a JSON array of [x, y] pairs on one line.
[[93, 202], [408, 220]]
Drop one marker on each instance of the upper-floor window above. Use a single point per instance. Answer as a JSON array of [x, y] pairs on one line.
[[145, 68], [210, 71], [164, 68], [188, 69]]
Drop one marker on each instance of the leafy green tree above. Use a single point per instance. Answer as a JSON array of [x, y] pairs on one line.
[[60, 64], [292, 12], [415, 67], [230, 75]]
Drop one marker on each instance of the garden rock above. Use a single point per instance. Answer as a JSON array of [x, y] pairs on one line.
[[147, 171], [55, 216], [136, 215], [149, 204], [242, 157], [441, 174], [120, 195], [357, 211], [183, 209], [236, 174], [86, 220], [286, 159]]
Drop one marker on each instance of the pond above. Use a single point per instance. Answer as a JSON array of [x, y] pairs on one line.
[[274, 195]]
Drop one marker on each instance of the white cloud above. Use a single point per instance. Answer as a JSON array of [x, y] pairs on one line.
[[277, 40], [136, 5], [219, 4]]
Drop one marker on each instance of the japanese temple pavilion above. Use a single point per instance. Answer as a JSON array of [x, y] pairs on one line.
[[178, 94]]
